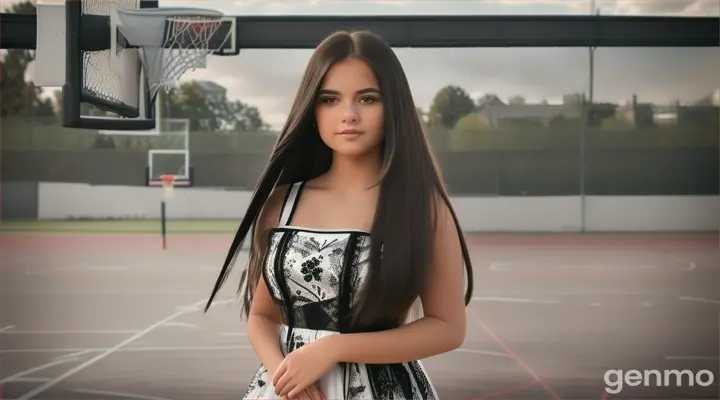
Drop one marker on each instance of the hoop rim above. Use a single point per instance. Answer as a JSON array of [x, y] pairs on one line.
[[167, 179], [171, 12]]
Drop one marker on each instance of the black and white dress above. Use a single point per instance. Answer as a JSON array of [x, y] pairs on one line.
[[314, 276]]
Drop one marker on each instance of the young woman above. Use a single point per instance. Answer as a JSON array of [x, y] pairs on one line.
[[356, 266]]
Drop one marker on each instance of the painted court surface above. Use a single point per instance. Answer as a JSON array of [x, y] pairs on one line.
[[114, 317]]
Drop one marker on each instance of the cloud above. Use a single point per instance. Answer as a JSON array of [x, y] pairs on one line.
[[667, 7], [270, 78]]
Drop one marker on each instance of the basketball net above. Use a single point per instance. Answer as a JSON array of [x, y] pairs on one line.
[[168, 182], [185, 41], [184, 48]]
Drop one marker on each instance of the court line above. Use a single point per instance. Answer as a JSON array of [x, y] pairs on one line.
[[30, 379], [181, 325], [72, 332], [504, 266], [58, 350], [110, 268], [52, 270], [195, 307], [83, 291], [73, 371], [689, 265], [483, 352], [34, 369], [514, 300], [75, 354], [125, 350], [7, 328], [118, 394], [512, 354], [700, 300], [692, 358]]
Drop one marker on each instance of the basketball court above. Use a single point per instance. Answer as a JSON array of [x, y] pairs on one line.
[[550, 315]]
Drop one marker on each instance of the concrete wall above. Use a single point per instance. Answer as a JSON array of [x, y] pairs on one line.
[[488, 214]]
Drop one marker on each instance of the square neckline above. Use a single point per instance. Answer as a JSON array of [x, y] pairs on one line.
[[290, 203]]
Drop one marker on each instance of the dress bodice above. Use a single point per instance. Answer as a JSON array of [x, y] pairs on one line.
[[314, 275]]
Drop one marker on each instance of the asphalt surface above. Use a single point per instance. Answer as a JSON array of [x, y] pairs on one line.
[[117, 318]]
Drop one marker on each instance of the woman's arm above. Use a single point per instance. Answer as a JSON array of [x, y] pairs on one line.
[[442, 328], [263, 328], [264, 319]]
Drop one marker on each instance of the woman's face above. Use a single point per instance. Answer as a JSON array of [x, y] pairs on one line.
[[349, 110]]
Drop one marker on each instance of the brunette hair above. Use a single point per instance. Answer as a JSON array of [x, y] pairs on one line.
[[410, 184]]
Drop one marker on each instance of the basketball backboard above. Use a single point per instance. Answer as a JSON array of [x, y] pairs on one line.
[[168, 148], [83, 46]]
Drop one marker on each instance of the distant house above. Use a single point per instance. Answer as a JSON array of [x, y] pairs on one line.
[[703, 112], [499, 113], [212, 90], [639, 114]]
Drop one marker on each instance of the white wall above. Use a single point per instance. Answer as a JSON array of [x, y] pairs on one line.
[[477, 214]]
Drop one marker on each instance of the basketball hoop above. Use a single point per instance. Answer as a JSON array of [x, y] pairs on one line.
[[168, 182], [170, 40]]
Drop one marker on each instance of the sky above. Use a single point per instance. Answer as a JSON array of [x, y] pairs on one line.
[[655, 75]]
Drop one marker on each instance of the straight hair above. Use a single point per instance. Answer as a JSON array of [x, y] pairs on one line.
[[410, 186]]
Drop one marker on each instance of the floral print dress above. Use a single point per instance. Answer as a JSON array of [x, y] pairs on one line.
[[314, 276]]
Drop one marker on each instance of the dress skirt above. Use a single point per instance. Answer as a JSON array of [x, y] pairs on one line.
[[351, 381]]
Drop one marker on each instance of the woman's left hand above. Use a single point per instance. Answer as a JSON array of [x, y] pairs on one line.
[[303, 367]]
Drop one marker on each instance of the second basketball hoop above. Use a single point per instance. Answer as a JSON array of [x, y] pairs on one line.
[[168, 184]]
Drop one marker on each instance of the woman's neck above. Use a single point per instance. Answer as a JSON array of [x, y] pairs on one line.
[[353, 174]]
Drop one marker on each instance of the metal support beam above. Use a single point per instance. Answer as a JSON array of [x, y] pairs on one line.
[[305, 32]]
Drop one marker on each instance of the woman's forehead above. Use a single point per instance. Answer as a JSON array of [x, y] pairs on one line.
[[349, 76]]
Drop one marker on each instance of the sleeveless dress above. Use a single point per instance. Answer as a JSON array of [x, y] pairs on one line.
[[313, 276]]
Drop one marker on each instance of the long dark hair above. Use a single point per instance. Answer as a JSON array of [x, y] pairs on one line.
[[410, 184]]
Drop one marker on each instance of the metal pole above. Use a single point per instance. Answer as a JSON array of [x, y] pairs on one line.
[[583, 130], [163, 224]]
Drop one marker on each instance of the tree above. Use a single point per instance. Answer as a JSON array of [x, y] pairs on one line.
[[471, 133], [449, 105], [211, 113], [20, 97]]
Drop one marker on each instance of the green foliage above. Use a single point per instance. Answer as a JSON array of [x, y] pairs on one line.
[[471, 132], [449, 105], [214, 113], [20, 97]]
